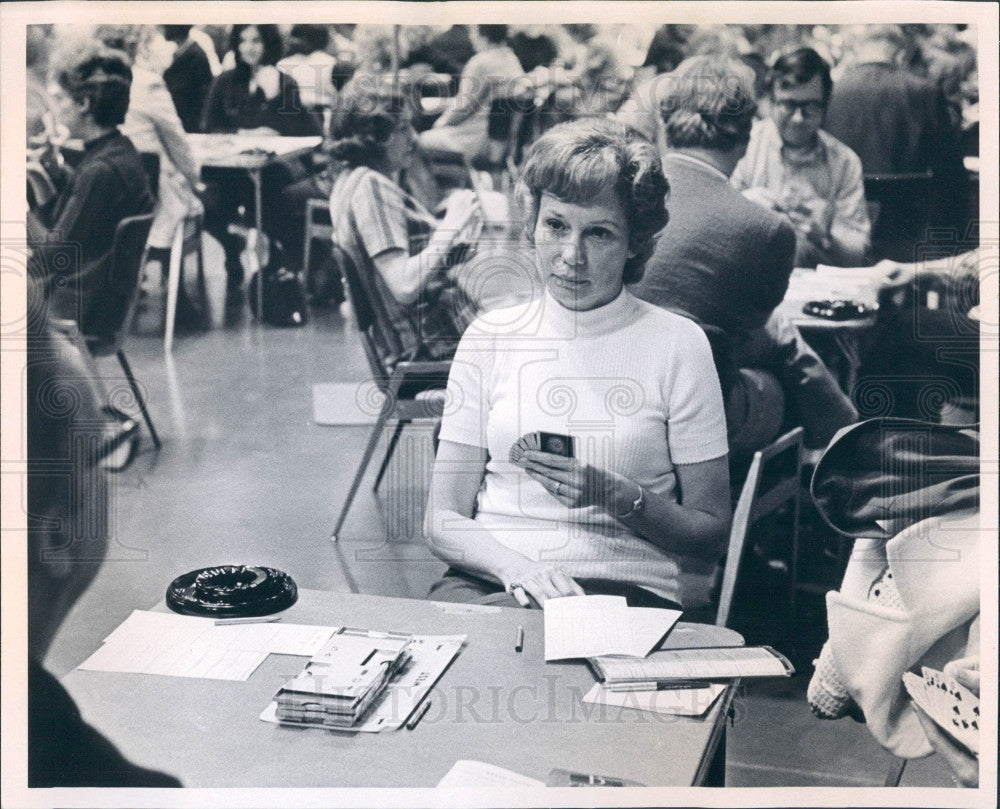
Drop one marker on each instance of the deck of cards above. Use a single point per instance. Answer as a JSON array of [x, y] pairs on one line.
[[540, 441], [951, 705]]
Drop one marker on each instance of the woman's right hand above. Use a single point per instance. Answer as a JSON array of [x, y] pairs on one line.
[[460, 208], [543, 581]]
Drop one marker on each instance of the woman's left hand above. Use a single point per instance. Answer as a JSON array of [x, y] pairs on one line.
[[269, 80], [576, 484]]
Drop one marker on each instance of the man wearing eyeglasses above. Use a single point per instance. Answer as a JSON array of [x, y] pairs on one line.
[[793, 167]]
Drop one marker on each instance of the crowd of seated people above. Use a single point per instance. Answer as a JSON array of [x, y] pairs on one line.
[[760, 159]]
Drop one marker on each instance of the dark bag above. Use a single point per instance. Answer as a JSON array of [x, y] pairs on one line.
[[284, 301]]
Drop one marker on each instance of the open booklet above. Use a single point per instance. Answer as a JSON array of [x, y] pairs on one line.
[[589, 626], [681, 666]]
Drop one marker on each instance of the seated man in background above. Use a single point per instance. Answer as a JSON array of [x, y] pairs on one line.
[[897, 122], [72, 235], [793, 167], [67, 540], [725, 262]]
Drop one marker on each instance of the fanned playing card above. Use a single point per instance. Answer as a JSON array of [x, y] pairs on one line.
[[952, 706]]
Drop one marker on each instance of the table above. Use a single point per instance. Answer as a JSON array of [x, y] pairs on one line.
[[861, 284], [249, 153], [492, 704]]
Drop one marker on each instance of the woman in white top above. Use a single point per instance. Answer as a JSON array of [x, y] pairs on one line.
[[643, 508]]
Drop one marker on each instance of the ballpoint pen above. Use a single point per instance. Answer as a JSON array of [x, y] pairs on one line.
[[519, 639], [260, 619]]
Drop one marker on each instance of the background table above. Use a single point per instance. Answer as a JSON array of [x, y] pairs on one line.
[[860, 284], [252, 154], [492, 704]]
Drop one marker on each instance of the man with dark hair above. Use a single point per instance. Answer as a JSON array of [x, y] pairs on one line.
[[72, 235], [793, 167], [725, 262], [188, 77]]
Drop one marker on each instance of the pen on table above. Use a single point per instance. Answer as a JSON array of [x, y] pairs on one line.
[[519, 639], [679, 685], [260, 619], [418, 715]]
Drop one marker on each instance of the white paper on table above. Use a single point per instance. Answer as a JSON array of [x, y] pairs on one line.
[[677, 701], [593, 626], [175, 661], [188, 646], [429, 657], [466, 774]]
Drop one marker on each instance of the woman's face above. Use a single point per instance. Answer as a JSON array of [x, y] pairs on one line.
[[401, 146], [582, 249], [251, 46]]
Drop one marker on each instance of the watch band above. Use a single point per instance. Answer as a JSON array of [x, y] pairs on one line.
[[637, 506]]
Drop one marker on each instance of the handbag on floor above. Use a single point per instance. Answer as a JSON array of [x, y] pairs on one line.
[[283, 299]]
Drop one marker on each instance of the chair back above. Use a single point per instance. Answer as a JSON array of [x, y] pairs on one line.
[[507, 114], [773, 480], [382, 345], [151, 165], [900, 208], [113, 315], [40, 186]]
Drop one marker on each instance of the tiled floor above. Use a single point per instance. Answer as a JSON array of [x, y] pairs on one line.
[[244, 476]]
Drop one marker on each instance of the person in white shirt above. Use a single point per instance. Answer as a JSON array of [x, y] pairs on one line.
[[643, 509], [310, 65]]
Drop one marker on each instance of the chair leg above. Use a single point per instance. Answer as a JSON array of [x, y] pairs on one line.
[[366, 458], [174, 271], [138, 397], [388, 453]]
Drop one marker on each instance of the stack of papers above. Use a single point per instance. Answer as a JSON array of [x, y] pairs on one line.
[[346, 677], [591, 626], [429, 656]]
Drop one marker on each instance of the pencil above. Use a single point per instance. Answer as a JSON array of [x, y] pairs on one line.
[[418, 715], [519, 639], [260, 619]]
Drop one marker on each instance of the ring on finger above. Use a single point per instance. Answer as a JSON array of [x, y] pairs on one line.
[[559, 489]]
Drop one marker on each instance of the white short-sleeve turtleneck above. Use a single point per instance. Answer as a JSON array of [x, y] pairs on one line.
[[637, 388]]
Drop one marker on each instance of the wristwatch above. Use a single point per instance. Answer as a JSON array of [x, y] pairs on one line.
[[637, 506]]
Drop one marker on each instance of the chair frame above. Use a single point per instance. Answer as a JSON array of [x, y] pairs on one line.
[[313, 230], [186, 241], [753, 506], [100, 346], [390, 375]]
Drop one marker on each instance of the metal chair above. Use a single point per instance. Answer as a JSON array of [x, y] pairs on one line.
[[187, 242], [117, 303], [408, 386], [772, 481], [318, 226]]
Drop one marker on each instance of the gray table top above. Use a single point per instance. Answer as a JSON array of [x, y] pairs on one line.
[[492, 704]]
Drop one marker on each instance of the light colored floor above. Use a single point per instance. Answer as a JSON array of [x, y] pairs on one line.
[[244, 476]]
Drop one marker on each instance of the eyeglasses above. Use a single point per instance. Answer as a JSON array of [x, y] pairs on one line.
[[809, 109]]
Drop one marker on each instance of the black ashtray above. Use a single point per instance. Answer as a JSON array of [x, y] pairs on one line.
[[232, 591], [838, 310]]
